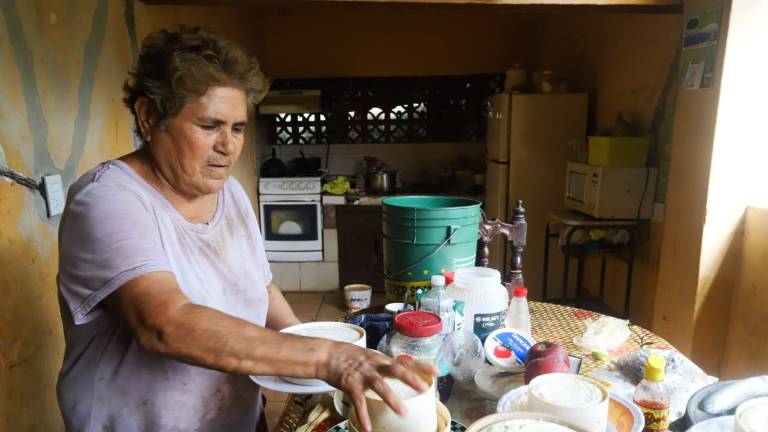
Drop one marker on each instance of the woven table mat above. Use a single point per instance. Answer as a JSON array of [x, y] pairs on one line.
[[550, 322], [562, 324]]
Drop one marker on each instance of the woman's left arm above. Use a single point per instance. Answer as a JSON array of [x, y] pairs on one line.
[[279, 315]]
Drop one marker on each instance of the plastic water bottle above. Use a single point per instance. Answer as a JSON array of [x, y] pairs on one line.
[[518, 316], [439, 303]]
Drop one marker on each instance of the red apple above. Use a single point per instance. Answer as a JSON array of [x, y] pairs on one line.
[[548, 349], [544, 365]]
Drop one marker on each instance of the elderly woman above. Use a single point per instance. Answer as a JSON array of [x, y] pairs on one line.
[[166, 293]]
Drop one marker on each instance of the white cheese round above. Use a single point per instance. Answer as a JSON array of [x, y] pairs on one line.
[[399, 388], [526, 425], [332, 332], [573, 393]]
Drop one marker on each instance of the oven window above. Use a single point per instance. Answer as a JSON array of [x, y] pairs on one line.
[[293, 222]]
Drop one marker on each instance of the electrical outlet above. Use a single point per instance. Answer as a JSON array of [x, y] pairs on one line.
[[54, 194]]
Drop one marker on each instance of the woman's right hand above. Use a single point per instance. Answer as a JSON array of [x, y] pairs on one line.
[[355, 370]]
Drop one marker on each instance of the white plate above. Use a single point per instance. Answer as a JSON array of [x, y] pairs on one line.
[[281, 385], [497, 382]]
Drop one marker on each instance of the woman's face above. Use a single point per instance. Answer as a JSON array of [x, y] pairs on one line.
[[197, 148]]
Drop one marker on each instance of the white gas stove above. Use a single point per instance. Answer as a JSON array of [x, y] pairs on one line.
[[291, 218], [290, 186]]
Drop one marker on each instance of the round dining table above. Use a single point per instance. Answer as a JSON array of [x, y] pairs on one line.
[[551, 322]]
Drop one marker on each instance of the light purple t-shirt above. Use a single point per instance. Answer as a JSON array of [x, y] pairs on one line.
[[117, 227]]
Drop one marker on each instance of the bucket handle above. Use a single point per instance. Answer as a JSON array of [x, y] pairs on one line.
[[424, 258]]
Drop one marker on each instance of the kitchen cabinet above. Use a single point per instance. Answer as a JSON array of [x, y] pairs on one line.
[[360, 245]]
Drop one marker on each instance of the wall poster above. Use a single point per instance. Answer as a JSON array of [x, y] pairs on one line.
[[699, 57]]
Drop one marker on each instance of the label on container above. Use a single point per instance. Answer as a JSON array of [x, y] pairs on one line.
[[485, 324], [517, 343], [655, 419], [458, 319]]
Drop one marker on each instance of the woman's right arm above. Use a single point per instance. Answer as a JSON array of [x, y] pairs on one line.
[[164, 321]]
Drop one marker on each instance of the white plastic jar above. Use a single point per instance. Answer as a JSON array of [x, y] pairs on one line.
[[483, 297]]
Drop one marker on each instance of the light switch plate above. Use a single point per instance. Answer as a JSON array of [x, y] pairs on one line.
[[54, 194], [658, 212]]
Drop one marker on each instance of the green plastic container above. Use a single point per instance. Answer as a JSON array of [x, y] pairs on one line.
[[425, 236], [618, 151]]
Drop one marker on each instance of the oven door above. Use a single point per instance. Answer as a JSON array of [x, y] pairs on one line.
[[292, 226]]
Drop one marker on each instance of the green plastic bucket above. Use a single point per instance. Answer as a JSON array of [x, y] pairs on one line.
[[425, 236]]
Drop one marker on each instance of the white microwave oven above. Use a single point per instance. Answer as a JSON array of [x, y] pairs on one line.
[[610, 192]]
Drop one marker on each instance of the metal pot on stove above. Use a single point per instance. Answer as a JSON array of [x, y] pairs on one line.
[[382, 181]]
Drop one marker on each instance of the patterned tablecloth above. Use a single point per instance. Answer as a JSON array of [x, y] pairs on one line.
[[552, 322]]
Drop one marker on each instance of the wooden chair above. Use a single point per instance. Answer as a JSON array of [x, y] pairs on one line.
[[515, 233]]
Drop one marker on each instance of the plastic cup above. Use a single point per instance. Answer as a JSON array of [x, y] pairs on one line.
[[357, 297]]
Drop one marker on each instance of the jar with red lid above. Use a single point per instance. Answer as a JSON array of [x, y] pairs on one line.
[[417, 336]]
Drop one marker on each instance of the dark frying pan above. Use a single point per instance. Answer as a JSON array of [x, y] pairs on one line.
[[306, 165], [273, 167]]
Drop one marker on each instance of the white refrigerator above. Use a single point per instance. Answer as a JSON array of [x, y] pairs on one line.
[[527, 150]]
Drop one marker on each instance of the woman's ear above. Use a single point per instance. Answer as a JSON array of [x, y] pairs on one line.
[[145, 114]]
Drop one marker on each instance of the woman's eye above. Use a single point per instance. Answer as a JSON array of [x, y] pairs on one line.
[[238, 129], [209, 127]]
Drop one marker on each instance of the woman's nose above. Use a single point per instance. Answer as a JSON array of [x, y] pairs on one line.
[[225, 142]]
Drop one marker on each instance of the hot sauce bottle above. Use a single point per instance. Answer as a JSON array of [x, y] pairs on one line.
[[652, 396]]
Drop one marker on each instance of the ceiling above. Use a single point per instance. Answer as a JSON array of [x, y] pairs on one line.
[[641, 6]]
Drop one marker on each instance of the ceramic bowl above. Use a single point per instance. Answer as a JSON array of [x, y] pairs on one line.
[[488, 422], [623, 414], [751, 415], [577, 399]]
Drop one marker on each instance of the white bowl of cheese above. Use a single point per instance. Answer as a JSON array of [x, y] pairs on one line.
[[576, 399], [523, 422]]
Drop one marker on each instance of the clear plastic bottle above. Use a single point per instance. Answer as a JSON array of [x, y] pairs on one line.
[[461, 355], [652, 396], [518, 315], [437, 301], [514, 283]]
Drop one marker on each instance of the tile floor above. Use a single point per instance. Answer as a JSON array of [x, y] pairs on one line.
[[309, 306]]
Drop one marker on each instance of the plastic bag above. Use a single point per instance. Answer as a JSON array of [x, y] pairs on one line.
[[375, 325], [604, 334]]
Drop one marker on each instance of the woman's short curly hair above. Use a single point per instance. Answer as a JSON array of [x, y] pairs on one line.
[[176, 68]]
